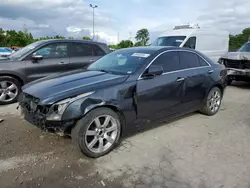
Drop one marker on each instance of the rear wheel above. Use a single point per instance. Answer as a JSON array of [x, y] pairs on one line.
[[10, 88], [97, 133], [213, 102]]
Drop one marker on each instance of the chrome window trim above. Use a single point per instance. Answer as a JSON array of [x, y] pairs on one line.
[[181, 50]]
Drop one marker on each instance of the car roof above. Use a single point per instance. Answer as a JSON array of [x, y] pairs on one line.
[[153, 49], [73, 40]]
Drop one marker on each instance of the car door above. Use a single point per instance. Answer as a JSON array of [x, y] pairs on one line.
[[197, 72], [83, 54], [161, 95], [53, 58]]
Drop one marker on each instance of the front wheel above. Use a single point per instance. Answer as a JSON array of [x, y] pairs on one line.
[[10, 88], [97, 133], [213, 102]]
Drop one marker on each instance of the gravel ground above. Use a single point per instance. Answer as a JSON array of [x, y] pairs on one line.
[[194, 151]]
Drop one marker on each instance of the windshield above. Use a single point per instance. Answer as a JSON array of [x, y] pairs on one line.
[[245, 48], [125, 61], [24, 50], [169, 41]]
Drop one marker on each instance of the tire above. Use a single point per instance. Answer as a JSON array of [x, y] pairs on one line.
[[86, 132], [212, 103], [10, 89]]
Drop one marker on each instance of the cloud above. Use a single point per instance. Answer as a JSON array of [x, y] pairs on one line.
[[74, 17], [231, 15], [59, 17]]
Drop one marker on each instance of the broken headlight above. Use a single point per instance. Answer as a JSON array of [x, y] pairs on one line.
[[56, 111], [221, 61]]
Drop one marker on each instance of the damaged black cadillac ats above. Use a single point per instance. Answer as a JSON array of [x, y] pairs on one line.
[[123, 92]]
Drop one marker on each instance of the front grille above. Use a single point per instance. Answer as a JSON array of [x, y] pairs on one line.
[[30, 104], [237, 64], [33, 112], [35, 119]]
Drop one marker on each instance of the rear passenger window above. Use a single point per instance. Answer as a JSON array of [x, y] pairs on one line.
[[202, 62], [98, 51], [81, 49], [169, 61], [189, 60]]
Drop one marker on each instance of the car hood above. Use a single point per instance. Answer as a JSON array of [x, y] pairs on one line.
[[237, 55], [61, 86]]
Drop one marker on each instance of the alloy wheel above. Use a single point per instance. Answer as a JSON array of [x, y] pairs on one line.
[[8, 91], [101, 133], [214, 101]]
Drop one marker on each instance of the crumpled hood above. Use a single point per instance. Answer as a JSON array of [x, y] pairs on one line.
[[237, 55], [61, 86]]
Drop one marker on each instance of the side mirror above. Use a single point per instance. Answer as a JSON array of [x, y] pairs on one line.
[[36, 58], [154, 70]]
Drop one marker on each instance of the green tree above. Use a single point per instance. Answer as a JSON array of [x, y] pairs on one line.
[[113, 46], [58, 37], [236, 41], [125, 44], [86, 38], [138, 44], [3, 41], [142, 37]]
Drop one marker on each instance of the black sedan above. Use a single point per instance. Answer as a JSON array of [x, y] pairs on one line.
[[123, 92]]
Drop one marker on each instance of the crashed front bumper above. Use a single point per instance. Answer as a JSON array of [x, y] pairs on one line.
[[238, 72], [39, 120]]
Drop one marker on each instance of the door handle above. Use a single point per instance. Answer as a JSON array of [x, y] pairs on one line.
[[62, 63], [180, 79], [92, 60], [210, 71]]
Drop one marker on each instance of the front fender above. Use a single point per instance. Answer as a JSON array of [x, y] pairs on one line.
[[80, 107]]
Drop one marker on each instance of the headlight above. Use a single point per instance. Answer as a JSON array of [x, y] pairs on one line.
[[221, 61], [56, 111]]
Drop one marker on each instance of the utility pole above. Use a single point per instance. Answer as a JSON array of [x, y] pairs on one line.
[[97, 36], [130, 35], [93, 7], [25, 30], [118, 38]]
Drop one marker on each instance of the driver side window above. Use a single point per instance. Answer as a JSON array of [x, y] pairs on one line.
[[55, 50]]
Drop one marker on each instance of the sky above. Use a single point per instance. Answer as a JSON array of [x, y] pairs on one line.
[[117, 20]]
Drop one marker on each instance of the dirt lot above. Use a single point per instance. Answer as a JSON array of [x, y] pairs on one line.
[[195, 151]]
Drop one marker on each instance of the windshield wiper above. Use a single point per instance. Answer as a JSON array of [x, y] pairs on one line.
[[106, 71]]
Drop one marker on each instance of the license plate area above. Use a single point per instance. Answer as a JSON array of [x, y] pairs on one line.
[[231, 72], [34, 119]]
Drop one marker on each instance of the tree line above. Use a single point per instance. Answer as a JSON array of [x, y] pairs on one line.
[[236, 41], [10, 38]]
